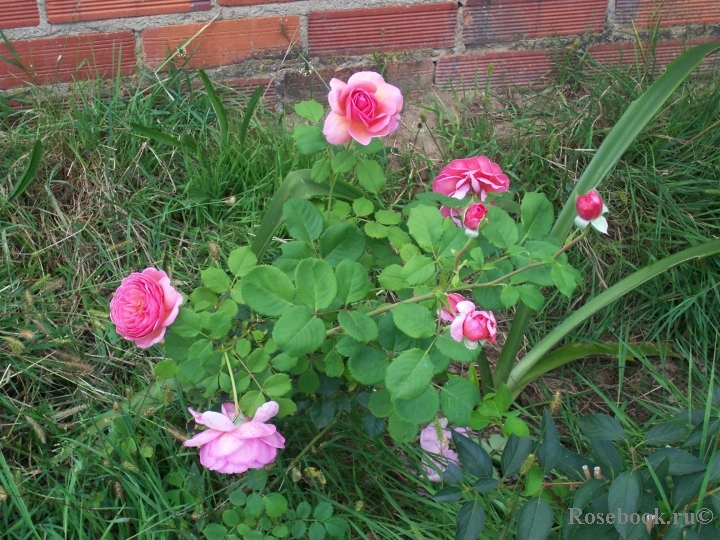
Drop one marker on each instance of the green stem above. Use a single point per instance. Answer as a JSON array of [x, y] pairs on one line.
[[232, 381], [486, 377]]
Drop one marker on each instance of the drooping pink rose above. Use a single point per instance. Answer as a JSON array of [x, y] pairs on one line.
[[446, 313], [590, 208], [144, 305], [435, 439], [232, 447], [474, 214], [473, 326], [364, 108], [476, 175]]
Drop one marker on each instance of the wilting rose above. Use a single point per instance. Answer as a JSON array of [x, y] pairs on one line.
[[474, 214], [435, 439], [590, 208], [475, 175], [234, 447], [364, 108], [446, 313], [473, 326], [144, 305]]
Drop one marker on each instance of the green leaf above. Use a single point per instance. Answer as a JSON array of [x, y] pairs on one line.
[[298, 331], [316, 531], [607, 457], [373, 147], [415, 320], [358, 325], [322, 412], [187, 323], [219, 323], [549, 450], [375, 230], [409, 375], [514, 454], [237, 497], [470, 521], [533, 482], [241, 261], [420, 409], [303, 221], [323, 511], [536, 215], [215, 279], [589, 492], [309, 139], [353, 282], [251, 402], [340, 242], [31, 171], [449, 494], [369, 365], [337, 527], [277, 385], [601, 426], [563, 278], [418, 270], [292, 253], [681, 462], [535, 520], [362, 207], [343, 161], [275, 505], [624, 496], [473, 458], [370, 175], [400, 430], [203, 298], [381, 404], [334, 364], [303, 510], [311, 110], [316, 284], [666, 433], [458, 398], [516, 426], [309, 382], [455, 350], [215, 531], [391, 278], [299, 529], [531, 296], [320, 171], [373, 426], [484, 484], [165, 369], [500, 230], [388, 217], [267, 290], [509, 296], [425, 225]]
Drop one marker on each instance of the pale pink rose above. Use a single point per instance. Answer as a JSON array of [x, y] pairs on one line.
[[473, 326], [476, 175], [234, 445], [436, 440], [474, 214], [590, 208], [144, 305], [446, 313], [364, 108]]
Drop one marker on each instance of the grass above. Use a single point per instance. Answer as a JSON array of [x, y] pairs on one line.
[[107, 202]]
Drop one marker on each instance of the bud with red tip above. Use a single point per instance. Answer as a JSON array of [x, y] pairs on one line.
[[474, 214], [590, 208]]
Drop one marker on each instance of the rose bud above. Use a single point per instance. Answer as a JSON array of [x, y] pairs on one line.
[[474, 214], [590, 208], [448, 314]]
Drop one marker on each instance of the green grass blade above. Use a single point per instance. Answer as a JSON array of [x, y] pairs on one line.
[[519, 375], [251, 104], [7, 481], [296, 184], [217, 107], [164, 138], [30, 172], [635, 118], [16, 61]]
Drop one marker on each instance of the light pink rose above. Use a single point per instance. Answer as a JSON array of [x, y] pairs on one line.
[[144, 305], [446, 313], [476, 175], [473, 326], [364, 108], [234, 445], [437, 441], [590, 208]]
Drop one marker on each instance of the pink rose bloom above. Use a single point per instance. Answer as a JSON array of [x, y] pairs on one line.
[[437, 441], [453, 213], [476, 175], [590, 208], [144, 305], [473, 326], [364, 108], [232, 447], [446, 313]]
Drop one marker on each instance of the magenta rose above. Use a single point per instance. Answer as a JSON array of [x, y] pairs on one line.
[[590, 208], [364, 108], [475, 175], [473, 326], [144, 305], [448, 313], [475, 213], [234, 445]]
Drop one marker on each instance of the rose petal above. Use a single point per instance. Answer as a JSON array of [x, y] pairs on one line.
[[336, 129], [203, 437], [254, 430], [216, 420], [266, 411], [581, 223], [228, 409], [600, 224]]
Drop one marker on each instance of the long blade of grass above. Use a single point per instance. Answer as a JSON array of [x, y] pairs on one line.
[[519, 375], [30, 171], [164, 138], [251, 104], [217, 107], [296, 184], [635, 118], [10, 486]]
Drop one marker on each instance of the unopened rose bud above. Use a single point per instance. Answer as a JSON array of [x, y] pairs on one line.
[[589, 206], [475, 213]]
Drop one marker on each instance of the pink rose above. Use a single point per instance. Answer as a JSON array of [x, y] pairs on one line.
[[473, 326], [234, 445], [590, 208], [475, 213], [453, 213], [446, 313], [435, 439], [476, 174], [364, 108], [144, 305]]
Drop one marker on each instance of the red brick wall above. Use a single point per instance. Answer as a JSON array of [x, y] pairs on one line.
[[285, 45]]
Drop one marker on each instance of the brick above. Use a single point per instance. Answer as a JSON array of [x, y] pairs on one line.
[[522, 68], [248, 86], [354, 31], [223, 42], [63, 59], [409, 77], [61, 11], [486, 21], [665, 52], [19, 13], [670, 12]]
